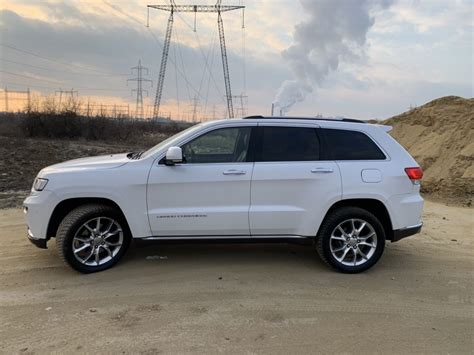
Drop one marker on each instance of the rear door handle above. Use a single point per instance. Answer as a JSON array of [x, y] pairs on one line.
[[322, 170], [234, 172]]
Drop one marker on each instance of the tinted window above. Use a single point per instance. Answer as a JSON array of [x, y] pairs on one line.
[[289, 144], [225, 145], [349, 145]]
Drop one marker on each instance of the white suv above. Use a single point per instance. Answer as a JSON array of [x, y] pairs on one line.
[[344, 186]]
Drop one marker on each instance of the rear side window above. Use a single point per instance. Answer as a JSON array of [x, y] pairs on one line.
[[349, 145], [289, 144]]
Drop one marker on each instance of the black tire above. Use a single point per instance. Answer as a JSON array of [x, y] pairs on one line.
[[71, 224], [329, 225]]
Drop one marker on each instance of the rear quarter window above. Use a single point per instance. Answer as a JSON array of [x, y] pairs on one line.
[[341, 144]]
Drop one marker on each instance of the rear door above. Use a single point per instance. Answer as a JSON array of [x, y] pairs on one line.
[[291, 188]]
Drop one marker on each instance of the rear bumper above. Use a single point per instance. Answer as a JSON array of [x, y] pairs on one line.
[[405, 210], [40, 243], [406, 232]]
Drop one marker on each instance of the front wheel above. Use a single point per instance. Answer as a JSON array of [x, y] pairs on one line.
[[351, 240], [92, 238]]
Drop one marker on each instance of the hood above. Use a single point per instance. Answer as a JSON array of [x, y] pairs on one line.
[[101, 162]]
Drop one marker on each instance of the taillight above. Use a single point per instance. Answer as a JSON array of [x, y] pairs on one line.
[[415, 174]]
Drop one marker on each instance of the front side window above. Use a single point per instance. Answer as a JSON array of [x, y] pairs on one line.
[[349, 145], [169, 141], [289, 144], [225, 145]]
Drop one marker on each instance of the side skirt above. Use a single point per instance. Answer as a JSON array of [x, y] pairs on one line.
[[290, 239]]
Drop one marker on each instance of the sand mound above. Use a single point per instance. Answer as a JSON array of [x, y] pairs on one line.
[[440, 136]]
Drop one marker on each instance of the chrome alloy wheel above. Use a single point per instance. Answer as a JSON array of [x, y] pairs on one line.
[[97, 241], [353, 242]]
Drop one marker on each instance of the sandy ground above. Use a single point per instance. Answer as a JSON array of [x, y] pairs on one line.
[[243, 298]]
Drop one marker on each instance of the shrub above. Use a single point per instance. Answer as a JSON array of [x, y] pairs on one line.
[[70, 125]]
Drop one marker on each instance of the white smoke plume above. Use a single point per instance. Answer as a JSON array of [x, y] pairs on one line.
[[334, 31]]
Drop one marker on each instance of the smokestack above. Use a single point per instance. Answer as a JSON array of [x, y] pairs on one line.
[[273, 107]]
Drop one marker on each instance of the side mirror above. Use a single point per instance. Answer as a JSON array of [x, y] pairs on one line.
[[173, 156]]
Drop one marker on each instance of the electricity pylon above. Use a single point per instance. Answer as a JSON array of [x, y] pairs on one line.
[[139, 90], [243, 98], [195, 105], [172, 8], [69, 93]]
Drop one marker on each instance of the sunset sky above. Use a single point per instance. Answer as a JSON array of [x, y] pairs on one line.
[[408, 52]]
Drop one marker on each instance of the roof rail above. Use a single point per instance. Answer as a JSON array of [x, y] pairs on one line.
[[255, 116], [353, 120]]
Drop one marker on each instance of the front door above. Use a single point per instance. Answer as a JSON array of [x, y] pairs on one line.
[[209, 193]]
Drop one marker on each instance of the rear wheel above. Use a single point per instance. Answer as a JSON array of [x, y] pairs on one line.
[[92, 238], [351, 240]]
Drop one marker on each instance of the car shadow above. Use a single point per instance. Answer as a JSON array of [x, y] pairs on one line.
[[270, 259], [203, 254]]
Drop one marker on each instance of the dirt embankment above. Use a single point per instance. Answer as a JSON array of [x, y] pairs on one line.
[[22, 159], [32, 141], [440, 135]]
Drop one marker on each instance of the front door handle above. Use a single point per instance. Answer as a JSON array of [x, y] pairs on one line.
[[234, 172], [322, 170]]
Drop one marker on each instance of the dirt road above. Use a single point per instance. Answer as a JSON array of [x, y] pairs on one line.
[[242, 298]]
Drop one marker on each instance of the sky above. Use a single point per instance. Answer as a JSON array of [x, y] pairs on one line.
[[367, 59]]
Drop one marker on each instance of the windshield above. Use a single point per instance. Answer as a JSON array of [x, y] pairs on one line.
[[169, 141]]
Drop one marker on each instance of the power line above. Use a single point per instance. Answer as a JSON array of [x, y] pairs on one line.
[[243, 49], [176, 67], [55, 70], [118, 9], [56, 61], [32, 77], [55, 87], [206, 66], [209, 77], [180, 52], [56, 82]]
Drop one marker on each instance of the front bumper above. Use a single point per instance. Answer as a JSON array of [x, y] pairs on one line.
[[40, 243], [406, 232], [37, 209]]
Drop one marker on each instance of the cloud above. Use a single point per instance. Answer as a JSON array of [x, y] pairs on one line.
[[114, 48], [412, 50], [333, 31]]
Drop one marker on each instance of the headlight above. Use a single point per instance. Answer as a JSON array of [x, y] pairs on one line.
[[39, 184]]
